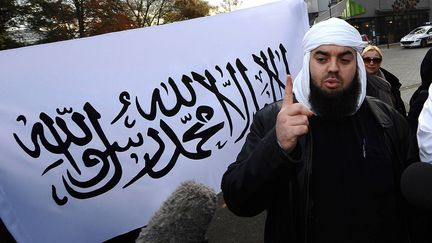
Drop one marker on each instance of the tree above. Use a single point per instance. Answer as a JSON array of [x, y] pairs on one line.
[[156, 12], [148, 12], [403, 5], [104, 16], [67, 19], [229, 5], [53, 20], [187, 9], [9, 18], [56, 20]]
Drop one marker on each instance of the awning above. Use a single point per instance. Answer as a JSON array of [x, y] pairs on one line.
[[344, 9], [352, 9]]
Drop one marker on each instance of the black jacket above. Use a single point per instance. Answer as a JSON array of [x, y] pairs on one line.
[[417, 101], [265, 178], [419, 97], [379, 88], [395, 89]]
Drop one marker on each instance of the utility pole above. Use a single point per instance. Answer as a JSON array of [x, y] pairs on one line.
[[329, 6]]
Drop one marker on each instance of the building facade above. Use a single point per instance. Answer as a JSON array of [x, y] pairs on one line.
[[375, 18]]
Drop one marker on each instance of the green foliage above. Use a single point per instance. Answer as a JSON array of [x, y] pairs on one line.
[[9, 18], [56, 20], [8, 10], [7, 42], [53, 20]]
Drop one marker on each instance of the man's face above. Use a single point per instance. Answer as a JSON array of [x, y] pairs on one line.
[[332, 67], [335, 87]]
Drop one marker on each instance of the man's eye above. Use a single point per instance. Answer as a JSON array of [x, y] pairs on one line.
[[321, 59], [346, 60]]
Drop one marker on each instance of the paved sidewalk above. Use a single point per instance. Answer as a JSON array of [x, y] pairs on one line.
[[405, 64]]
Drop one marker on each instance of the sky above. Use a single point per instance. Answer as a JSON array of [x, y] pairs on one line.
[[245, 3]]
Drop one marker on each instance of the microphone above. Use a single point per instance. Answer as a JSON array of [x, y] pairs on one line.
[[183, 217], [416, 185]]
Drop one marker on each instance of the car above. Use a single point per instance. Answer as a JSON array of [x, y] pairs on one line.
[[419, 37]]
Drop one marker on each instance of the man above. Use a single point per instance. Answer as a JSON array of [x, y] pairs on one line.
[[418, 99], [325, 169]]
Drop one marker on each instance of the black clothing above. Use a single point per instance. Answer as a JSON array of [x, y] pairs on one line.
[[358, 183], [420, 95], [265, 178], [426, 70], [379, 88], [395, 86], [5, 235], [418, 99]]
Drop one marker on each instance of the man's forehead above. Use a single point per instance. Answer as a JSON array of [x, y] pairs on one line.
[[327, 48]]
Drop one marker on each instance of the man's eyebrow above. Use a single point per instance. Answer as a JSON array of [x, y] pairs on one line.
[[347, 52], [325, 53], [320, 52]]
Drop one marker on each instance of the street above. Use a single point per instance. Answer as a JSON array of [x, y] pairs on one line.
[[404, 64]]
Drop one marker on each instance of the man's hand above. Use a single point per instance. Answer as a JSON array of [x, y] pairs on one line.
[[292, 120]]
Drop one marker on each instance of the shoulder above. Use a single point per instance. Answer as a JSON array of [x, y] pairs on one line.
[[272, 108], [375, 82], [386, 115], [395, 127], [378, 105], [266, 116], [391, 78]]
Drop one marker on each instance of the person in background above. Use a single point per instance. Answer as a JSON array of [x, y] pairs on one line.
[[372, 57], [325, 162], [419, 97], [423, 219], [424, 132], [380, 89]]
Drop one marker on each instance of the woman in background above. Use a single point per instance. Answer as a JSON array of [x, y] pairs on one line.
[[372, 57]]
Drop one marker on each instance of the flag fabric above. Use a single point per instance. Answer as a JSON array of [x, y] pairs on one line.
[[97, 132]]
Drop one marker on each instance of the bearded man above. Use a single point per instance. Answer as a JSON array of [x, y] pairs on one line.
[[324, 162]]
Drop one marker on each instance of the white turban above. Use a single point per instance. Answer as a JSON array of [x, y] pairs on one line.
[[332, 31]]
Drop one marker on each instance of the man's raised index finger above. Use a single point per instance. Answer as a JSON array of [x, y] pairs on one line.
[[288, 99]]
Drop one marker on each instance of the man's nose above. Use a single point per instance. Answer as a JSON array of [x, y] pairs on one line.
[[334, 67]]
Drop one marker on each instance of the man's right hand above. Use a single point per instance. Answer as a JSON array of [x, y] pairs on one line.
[[292, 120]]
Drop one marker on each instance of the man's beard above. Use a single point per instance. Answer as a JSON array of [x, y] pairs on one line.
[[337, 104]]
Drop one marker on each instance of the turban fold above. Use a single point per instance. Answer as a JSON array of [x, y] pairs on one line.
[[333, 31]]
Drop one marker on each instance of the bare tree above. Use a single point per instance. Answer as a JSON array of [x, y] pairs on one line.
[[229, 5], [148, 12], [403, 5]]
